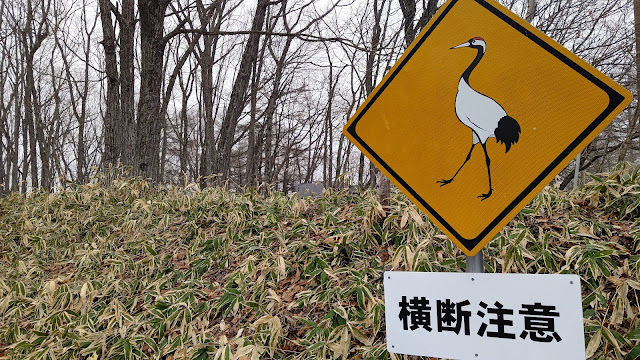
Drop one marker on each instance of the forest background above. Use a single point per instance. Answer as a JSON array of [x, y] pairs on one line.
[[239, 92]]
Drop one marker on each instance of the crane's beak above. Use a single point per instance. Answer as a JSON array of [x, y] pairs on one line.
[[461, 45]]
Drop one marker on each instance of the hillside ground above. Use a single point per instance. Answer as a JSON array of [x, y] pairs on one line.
[[133, 271]]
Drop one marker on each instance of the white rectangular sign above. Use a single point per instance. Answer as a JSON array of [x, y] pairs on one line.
[[484, 316]]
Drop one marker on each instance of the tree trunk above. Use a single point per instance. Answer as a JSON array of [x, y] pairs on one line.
[[56, 119], [239, 92], [631, 131], [25, 152], [327, 160], [385, 185], [41, 139], [532, 6], [633, 119], [163, 153], [111, 119], [361, 171], [4, 113], [408, 8], [16, 132], [150, 120], [127, 123], [207, 19], [3, 182], [184, 130], [270, 161], [29, 89], [82, 118], [252, 161], [29, 121]]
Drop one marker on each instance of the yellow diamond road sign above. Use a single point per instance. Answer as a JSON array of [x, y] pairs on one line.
[[478, 115]]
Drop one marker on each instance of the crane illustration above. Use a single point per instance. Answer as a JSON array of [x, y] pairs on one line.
[[483, 115]]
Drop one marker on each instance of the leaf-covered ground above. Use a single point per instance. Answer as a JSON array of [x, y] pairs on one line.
[[131, 271]]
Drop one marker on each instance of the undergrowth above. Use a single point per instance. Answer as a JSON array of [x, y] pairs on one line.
[[133, 271]]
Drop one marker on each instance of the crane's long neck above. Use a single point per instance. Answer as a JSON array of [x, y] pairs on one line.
[[473, 65]]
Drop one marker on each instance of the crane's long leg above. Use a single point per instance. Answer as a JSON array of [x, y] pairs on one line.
[[444, 182], [486, 155]]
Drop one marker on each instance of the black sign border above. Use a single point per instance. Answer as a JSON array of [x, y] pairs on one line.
[[615, 99]]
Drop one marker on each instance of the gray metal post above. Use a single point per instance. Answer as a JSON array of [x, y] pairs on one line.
[[474, 263], [576, 174]]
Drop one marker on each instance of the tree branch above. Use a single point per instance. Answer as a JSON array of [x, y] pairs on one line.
[[116, 12], [177, 31], [298, 35]]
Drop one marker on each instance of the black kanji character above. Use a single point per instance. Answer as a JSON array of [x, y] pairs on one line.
[[404, 312], [419, 311], [451, 316], [538, 321], [499, 321]]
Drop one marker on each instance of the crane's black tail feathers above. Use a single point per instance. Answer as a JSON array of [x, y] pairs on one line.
[[507, 132]]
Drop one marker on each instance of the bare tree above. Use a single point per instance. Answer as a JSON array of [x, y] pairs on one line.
[[150, 120], [18, 75], [263, 101], [270, 172], [35, 32], [532, 6], [78, 91], [239, 92], [4, 115], [210, 19], [186, 87], [126, 127], [411, 27], [111, 117], [633, 120]]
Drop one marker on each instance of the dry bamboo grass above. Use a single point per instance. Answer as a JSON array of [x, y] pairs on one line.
[[129, 270]]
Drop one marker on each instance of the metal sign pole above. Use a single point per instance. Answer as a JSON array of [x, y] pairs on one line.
[[474, 263], [576, 175]]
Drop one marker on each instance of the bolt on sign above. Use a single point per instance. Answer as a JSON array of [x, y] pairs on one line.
[[484, 316], [478, 115]]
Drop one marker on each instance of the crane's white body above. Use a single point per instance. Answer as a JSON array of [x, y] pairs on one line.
[[478, 112], [483, 115]]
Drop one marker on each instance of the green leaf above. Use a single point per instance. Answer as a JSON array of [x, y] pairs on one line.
[[634, 354], [151, 250], [152, 344], [227, 352], [606, 333], [618, 337], [316, 346], [127, 350], [200, 354], [634, 334]]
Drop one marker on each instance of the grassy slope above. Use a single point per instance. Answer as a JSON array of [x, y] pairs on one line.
[[132, 271]]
